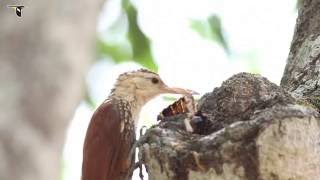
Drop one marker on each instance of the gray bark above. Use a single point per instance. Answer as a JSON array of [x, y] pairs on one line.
[[43, 59], [301, 75], [249, 128]]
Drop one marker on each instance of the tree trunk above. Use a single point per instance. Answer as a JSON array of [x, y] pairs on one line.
[[44, 56], [301, 74], [249, 128]]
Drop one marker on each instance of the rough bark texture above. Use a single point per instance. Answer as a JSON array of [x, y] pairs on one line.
[[249, 128], [301, 75], [43, 56]]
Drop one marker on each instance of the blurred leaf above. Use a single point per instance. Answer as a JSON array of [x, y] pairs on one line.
[[118, 52], [217, 33], [202, 28], [211, 29], [125, 40], [140, 44]]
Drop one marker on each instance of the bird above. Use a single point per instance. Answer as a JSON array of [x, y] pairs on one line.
[[17, 8], [110, 136]]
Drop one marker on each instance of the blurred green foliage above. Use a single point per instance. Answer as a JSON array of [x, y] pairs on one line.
[[141, 45], [211, 29], [116, 51], [139, 49]]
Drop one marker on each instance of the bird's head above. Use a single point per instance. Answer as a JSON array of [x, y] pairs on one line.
[[143, 85]]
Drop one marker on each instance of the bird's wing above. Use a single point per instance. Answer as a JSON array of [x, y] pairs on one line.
[[106, 149]]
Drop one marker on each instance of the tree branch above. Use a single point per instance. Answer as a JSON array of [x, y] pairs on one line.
[[245, 127], [301, 75]]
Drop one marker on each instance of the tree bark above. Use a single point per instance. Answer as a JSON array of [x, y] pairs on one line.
[[44, 56], [301, 75], [249, 128]]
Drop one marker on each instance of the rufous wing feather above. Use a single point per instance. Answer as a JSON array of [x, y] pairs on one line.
[[106, 148]]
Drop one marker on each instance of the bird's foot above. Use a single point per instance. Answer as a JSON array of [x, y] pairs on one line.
[[141, 130], [139, 165], [134, 167], [138, 142]]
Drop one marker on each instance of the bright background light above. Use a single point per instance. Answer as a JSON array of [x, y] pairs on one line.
[[258, 34]]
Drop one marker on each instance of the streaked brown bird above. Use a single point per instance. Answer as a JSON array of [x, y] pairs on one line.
[[111, 132]]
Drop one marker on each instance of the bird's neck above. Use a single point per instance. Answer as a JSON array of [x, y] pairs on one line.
[[129, 107], [130, 95]]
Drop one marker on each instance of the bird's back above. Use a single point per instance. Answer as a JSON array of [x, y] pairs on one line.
[[106, 146]]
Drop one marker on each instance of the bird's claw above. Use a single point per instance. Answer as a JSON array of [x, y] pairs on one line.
[[141, 130], [137, 144], [134, 167], [139, 165]]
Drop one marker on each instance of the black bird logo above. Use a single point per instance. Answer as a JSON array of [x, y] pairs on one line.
[[17, 8]]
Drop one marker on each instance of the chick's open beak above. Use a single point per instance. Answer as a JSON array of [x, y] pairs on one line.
[[175, 90]]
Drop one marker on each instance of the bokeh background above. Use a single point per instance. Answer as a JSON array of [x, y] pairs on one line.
[[59, 61], [196, 44]]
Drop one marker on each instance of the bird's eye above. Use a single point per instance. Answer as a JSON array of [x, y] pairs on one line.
[[155, 80]]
